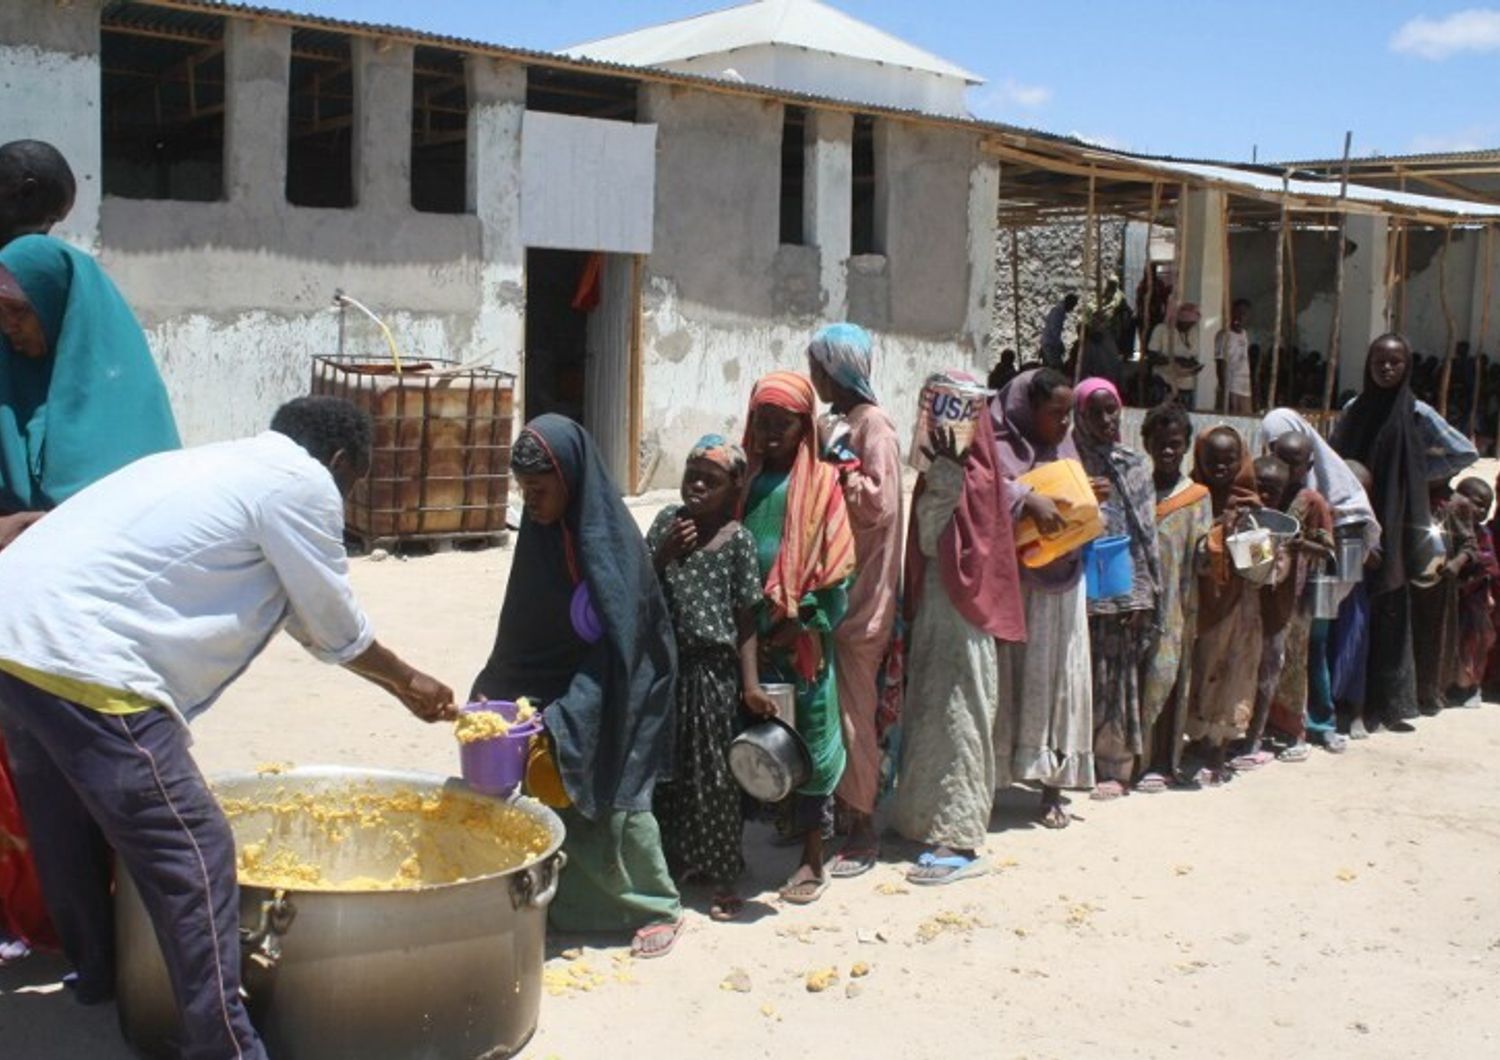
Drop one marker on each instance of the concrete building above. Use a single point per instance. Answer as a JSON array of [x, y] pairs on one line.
[[638, 245]]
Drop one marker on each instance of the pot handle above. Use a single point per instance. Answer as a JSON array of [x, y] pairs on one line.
[[525, 889], [263, 944]]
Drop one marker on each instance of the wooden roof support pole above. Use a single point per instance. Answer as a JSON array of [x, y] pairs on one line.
[[1484, 329], [1015, 288], [1145, 372], [1449, 334], [1271, 390], [1226, 307], [1330, 383], [1088, 304]]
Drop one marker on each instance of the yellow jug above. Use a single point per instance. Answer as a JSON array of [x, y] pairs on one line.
[[1067, 484], [543, 781]]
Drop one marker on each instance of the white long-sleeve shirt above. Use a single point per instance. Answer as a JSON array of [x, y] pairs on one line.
[[165, 579]]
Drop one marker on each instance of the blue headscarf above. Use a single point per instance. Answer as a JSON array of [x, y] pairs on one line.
[[719, 450], [93, 401], [843, 351]]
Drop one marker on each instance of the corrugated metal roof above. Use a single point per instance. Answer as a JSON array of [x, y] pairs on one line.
[[1433, 158], [797, 23]]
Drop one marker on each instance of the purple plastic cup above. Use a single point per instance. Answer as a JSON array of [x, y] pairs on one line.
[[497, 766]]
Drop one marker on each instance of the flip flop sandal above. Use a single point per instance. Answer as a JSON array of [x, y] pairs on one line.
[[1151, 784], [960, 867], [791, 894], [852, 863], [1056, 817], [1298, 752], [651, 931], [1109, 791], [726, 908], [1246, 763]]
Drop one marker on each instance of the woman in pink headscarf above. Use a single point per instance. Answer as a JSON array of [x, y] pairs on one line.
[[963, 584], [1119, 626], [1044, 727]]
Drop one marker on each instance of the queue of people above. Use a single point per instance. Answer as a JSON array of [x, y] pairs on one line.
[[783, 564]]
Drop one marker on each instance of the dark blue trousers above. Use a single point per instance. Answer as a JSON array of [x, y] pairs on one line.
[[88, 782]]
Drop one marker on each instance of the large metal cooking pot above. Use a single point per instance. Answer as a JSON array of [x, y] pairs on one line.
[[442, 971]]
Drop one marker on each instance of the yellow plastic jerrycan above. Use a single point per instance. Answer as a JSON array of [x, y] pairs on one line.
[[1067, 484]]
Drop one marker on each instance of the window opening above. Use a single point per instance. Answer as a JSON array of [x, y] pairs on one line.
[[862, 237], [320, 130], [581, 95], [439, 132], [162, 104], [793, 175]]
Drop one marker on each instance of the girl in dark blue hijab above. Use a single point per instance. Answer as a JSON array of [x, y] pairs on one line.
[[585, 630]]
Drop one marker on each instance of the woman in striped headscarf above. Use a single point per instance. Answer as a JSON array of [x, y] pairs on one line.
[[795, 511]]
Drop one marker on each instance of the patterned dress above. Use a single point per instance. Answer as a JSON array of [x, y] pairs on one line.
[[699, 809]]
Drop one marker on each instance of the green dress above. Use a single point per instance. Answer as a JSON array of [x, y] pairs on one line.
[[818, 720]]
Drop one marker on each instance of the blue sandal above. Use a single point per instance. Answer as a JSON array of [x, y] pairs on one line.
[[959, 867]]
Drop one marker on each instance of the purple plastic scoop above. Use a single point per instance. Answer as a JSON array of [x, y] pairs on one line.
[[585, 619]]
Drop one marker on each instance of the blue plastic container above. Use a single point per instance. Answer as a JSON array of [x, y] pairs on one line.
[[1108, 570]]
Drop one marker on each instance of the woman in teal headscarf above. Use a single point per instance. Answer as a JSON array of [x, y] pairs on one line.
[[80, 396]]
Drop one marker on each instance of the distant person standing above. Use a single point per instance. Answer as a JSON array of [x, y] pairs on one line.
[[1054, 349], [1173, 350], [1232, 354], [1004, 371]]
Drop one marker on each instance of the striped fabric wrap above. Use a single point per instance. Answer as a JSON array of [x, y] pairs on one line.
[[817, 545]]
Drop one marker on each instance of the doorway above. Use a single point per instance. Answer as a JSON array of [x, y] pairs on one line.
[[582, 348]]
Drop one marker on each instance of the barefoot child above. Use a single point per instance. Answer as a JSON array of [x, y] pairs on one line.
[[706, 562], [795, 511]]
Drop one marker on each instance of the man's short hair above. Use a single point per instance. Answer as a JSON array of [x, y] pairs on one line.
[[45, 164], [325, 425]]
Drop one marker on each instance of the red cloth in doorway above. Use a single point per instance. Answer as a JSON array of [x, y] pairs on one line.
[[586, 297]]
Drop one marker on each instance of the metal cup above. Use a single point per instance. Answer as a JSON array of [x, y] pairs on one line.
[[1351, 566], [785, 698]]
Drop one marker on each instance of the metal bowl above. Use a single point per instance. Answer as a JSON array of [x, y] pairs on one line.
[[769, 760], [1281, 525]]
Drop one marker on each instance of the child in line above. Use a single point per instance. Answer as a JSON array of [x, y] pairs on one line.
[[1349, 639], [1476, 628], [1184, 516], [707, 565], [1434, 601], [1286, 617], [794, 509], [1226, 654]]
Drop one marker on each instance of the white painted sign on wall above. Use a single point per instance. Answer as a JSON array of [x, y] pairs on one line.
[[587, 184]]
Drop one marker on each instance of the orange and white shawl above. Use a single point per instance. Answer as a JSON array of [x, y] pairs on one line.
[[817, 545]]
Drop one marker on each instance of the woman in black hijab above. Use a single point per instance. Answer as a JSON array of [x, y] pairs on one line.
[[1380, 430], [585, 630]]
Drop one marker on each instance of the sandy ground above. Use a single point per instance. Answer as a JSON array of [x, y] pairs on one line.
[[1342, 907]]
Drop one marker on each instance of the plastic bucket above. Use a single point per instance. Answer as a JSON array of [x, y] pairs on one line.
[[1108, 570], [497, 766]]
